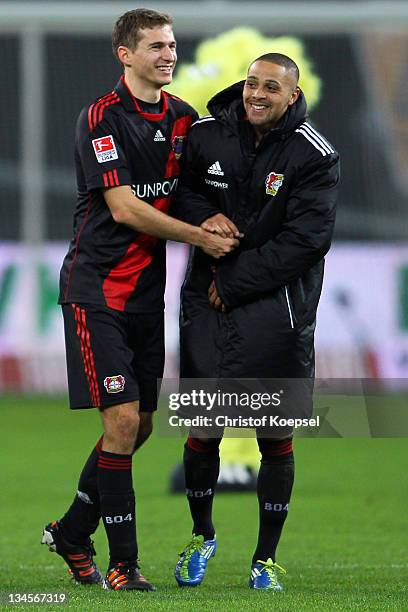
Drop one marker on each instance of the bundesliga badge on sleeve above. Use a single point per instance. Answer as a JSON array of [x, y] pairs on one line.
[[105, 149]]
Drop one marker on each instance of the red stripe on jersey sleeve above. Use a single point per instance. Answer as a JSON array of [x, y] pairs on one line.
[[90, 109], [102, 107], [98, 105], [111, 178], [106, 98], [95, 112]]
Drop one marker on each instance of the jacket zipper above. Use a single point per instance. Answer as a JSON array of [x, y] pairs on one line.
[[289, 308]]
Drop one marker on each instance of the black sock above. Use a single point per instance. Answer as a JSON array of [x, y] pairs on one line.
[[201, 469], [82, 518], [275, 481], [117, 501]]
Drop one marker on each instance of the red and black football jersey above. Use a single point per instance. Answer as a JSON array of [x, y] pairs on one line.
[[118, 144]]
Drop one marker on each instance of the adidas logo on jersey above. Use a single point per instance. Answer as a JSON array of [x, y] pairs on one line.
[[216, 169], [158, 137]]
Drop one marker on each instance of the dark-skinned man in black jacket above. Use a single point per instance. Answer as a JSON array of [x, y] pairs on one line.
[[254, 169]]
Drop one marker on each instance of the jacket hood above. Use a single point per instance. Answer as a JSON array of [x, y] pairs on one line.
[[227, 106]]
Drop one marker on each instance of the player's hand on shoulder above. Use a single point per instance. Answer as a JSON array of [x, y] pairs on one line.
[[221, 225]]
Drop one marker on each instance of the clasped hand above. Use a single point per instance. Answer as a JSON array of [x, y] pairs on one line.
[[224, 227]]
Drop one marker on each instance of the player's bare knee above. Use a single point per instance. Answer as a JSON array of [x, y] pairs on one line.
[[127, 425], [121, 424]]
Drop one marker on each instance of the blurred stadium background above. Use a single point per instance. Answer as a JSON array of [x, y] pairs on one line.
[[56, 57]]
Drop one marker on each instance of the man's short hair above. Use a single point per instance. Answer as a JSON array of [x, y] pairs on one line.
[[127, 29], [280, 60]]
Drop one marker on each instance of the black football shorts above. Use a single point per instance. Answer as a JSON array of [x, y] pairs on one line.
[[113, 357]]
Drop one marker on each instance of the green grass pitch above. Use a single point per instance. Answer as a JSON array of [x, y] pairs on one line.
[[344, 543]]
